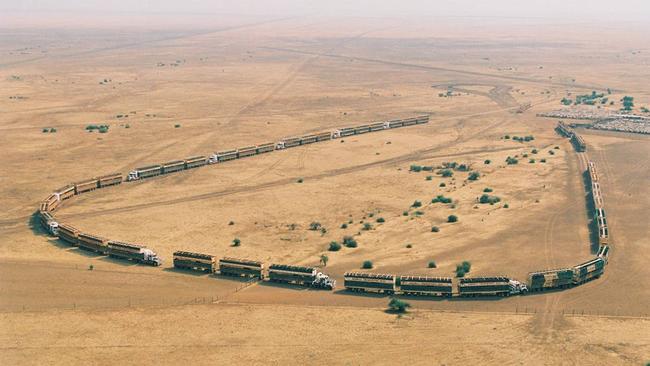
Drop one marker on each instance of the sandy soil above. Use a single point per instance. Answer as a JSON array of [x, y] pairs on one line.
[[258, 82]]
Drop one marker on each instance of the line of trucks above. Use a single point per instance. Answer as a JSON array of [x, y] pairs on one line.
[[310, 276], [577, 140]]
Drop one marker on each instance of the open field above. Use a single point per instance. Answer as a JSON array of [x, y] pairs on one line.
[[252, 81]]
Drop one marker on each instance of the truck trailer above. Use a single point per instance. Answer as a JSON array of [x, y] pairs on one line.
[[241, 267], [86, 185], [195, 261], [48, 223], [65, 192], [93, 243], [550, 279], [110, 180], [173, 166], [588, 271], [266, 147], [68, 233], [195, 161], [369, 282], [425, 286]]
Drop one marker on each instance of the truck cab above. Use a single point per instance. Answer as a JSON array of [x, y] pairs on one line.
[[213, 159], [517, 288], [151, 257], [133, 175], [323, 281], [53, 227]]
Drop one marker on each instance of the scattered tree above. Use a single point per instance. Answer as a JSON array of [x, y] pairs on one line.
[[314, 225], [405, 213], [367, 264], [432, 264], [300, 180], [429, 177], [334, 246], [487, 190], [367, 226], [446, 173], [442, 184], [487, 161], [435, 229], [344, 226], [231, 223], [398, 306], [416, 203], [349, 242], [409, 246], [177, 126], [324, 259], [381, 220], [236, 242], [474, 176], [452, 218], [506, 206]]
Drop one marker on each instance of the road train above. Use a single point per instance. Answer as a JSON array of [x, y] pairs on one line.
[[577, 140], [310, 276], [281, 273]]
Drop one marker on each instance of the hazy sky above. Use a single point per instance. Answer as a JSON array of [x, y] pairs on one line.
[[580, 10]]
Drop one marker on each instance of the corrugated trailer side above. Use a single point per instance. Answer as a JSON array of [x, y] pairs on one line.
[[422, 119], [346, 131], [243, 152], [65, 192], [308, 139], [195, 261], [361, 129], [425, 286], [173, 166], [266, 147], [110, 180], [291, 274], [395, 123], [149, 171], [482, 286], [323, 136], [377, 126], [195, 161], [93, 243], [52, 202], [241, 267], [554, 278], [68, 233], [588, 271], [369, 282], [226, 155], [86, 185], [291, 142]]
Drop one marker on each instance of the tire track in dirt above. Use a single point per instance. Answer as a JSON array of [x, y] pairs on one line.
[[444, 69]]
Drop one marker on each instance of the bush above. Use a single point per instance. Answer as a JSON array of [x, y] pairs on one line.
[[300, 180], [231, 223], [409, 246], [442, 184], [507, 137], [474, 176], [532, 161], [435, 229], [489, 199], [314, 225], [418, 213], [366, 265], [487, 161], [405, 213], [427, 168], [46, 130], [416, 203], [543, 161], [487, 190], [442, 199], [551, 152], [446, 173], [177, 126], [556, 148], [466, 266], [452, 218], [506, 206], [534, 151], [334, 246], [344, 226], [398, 306], [367, 226], [511, 160], [460, 272], [91, 267], [415, 168], [349, 242], [429, 177], [236, 242], [381, 220], [127, 126], [432, 264]]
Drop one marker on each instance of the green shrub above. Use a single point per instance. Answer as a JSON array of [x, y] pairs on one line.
[[127, 126], [506, 206], [334, 246], [367, 226], [511, 160], [435, 229], [432, 264], [429, 177], [409, 246], [349, 242], [543, 161], [46, 130], [314, 225], [177, 126], [442, 184], [103, 129], [551, 152], [532, 161], [416, 203], [507, 137], [344, 226], [236, 242], [398, 306], [489, 199], [418, 213], [442, 199], [366, 264], [427, 168], [452, 218], [381, 220], [474, 176], [231, 223], [460, 272], [466, 266], [300, 180], [52, 130], [534, 151], [556, 148], [405, 213], [446, 173], [415, 168], [487, 161], [487, 190]]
